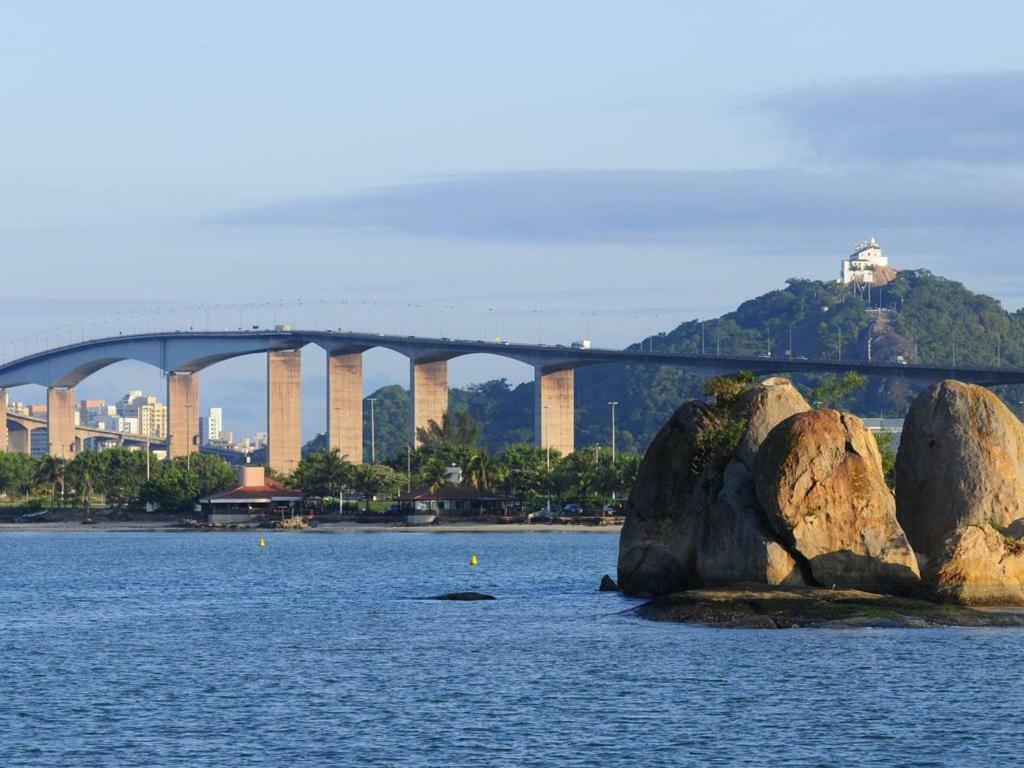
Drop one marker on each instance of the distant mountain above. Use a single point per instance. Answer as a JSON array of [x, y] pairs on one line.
[[918, 316]]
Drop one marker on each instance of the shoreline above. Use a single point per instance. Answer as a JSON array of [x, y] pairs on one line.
[[145, 526]]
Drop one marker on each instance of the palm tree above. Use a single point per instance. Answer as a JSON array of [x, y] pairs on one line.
[[50, 473], [481, 470], [434, 473]]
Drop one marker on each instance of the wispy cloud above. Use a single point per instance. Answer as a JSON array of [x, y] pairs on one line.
[[927, 153], [964, 118], [631, 205]]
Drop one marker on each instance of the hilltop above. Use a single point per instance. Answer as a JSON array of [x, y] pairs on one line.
[[917, 317]]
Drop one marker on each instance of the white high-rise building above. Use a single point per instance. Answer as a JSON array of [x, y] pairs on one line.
[[214, 425]]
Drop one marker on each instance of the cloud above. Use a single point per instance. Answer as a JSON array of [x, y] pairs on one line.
[[964, 118], [624, 206]]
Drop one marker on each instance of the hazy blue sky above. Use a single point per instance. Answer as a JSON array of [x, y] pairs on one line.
[[522, 169]]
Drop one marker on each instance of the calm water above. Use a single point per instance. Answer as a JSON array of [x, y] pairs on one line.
[[164, 649]]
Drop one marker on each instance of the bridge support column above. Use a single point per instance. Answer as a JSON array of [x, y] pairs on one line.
[[345, 405], [60, 422], [182, 414], [21, 441], [554, 414], [4, 440], [428, 382], [284, 409]]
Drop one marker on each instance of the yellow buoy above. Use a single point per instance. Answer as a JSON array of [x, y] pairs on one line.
[[262, 543], [473, 560]]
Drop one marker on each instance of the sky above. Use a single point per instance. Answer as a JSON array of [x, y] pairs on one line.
[[527, 170]]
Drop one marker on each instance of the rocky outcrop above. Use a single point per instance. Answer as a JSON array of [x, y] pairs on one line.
[[977, 565], [607, 584], [656, 547], [961, 461], [818, 476], [763, 408], [735, 543]]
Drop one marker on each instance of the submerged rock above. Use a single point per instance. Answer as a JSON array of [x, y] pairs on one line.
[[464, 596], [977, 565], [961, 460], [819, 478], [656, 547], [735, 542], [608, 584]]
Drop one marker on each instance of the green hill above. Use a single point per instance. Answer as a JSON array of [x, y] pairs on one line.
[[919, 316]]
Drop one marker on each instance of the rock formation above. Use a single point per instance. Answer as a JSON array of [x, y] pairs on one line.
[[734, 540], [656, 546], [961, 460], [977, 565], [818, 476]]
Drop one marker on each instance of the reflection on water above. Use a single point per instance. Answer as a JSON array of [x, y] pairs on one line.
[[165, 649]]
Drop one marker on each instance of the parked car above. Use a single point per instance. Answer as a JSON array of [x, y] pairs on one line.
[[572, 508]]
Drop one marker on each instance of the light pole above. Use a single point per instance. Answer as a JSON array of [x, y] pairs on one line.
[[791, 341], [188, 441], [613, 403], [408, 469], [373, 431]]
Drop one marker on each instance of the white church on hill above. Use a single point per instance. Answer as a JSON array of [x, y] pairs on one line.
[[860, 266]]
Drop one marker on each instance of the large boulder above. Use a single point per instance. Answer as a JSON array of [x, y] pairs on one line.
[[818, 476], [961, 460], [735, 543], [977, 565], [656, 547], [764, 407]]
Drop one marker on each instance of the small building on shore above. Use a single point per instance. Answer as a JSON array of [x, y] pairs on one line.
[[425, 505], [257, 497]]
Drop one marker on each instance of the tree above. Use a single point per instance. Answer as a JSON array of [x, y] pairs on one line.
[[884, 441], [833, 390], [324, 473], [482, 470], [458, 427], [375, 479], [727, 389], [82, 474], [121, 475], [177, 484], [17, 474], [523, 470], [50, 474], [434, 473]]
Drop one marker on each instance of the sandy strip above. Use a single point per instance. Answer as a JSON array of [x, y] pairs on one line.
[[150, 527]]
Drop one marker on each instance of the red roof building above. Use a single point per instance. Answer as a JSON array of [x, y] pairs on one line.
[[255, 496]]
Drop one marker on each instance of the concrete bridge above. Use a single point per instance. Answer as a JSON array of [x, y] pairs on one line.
[[183, 355], [20, 438]]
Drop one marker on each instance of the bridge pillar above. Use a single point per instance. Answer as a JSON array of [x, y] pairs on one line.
[[284, 409], [345, 405], [182, 414], [21, 441], [554, 414], [428, 382], [4, 440], [60, 422]]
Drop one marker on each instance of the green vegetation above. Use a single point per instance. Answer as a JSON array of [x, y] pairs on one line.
[[918, 317], [115, 477], [884, 441], [833, 389]]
